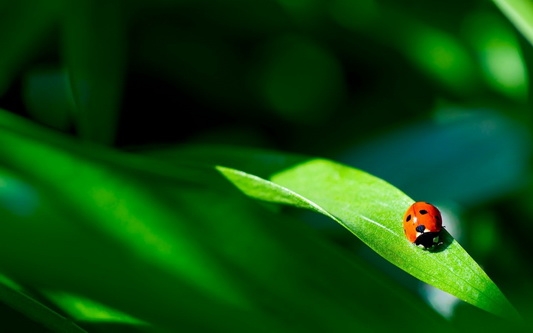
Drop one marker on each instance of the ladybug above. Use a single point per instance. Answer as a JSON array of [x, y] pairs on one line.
[[422, 224]]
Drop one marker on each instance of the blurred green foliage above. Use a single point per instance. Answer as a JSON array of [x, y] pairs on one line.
[[113, 217]]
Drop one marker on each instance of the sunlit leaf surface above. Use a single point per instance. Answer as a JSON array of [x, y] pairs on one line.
[[372, 209]]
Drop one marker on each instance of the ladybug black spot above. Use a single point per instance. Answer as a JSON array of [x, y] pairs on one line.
[[423, 211], [421, 228], [408, 218]]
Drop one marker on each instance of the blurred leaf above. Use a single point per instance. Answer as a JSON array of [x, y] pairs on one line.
[[22, 24], [119, 247], [84, 309], [94, 49], [520, 13], [462, 155], [35, 310], [129, 163], [173, 251], [499, 54], [440, 55], [48, 97]]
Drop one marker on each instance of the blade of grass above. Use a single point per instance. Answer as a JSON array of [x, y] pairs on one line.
[[37, 311], [520, 13], [94, 48]]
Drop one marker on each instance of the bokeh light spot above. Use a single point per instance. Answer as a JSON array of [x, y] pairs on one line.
[[441, 56], [300, 80], [499, 54], [16, 196]]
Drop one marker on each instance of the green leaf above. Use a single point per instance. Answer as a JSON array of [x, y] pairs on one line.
[[15, 297], [372, 210], [22, 24], [87, 310], [94, 49], [520, 13]]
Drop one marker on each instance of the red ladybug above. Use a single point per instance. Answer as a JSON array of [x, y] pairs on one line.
[[422, 224]]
